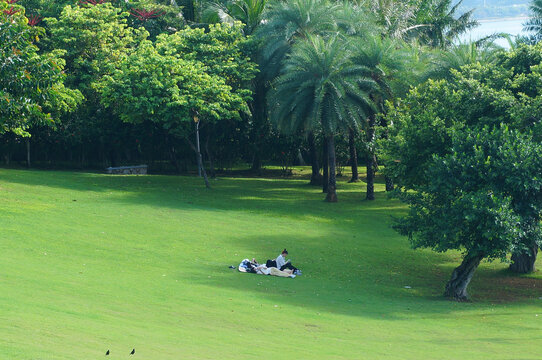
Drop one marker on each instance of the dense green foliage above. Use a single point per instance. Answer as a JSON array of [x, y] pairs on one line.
[[96, 36], [483, 198], [31, 83], [188, 74], [479, 97], [505, 91]]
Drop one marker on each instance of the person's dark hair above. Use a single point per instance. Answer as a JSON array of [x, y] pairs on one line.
[[285, 251]]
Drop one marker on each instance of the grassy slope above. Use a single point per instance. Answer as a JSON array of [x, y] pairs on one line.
[[93, 262]]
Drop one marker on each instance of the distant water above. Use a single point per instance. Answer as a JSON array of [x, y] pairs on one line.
[[512, 26]]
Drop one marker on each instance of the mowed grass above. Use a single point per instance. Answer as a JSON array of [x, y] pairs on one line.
[[91, 262]]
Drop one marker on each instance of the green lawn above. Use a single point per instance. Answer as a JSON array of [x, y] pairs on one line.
[[91, 262]]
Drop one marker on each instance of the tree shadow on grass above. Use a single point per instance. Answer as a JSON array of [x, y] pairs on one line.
[[350, 263], [339, 281], [292, 198]]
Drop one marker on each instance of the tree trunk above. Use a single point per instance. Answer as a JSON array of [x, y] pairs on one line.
[[325, 165], [332, 187], [524, 262], [28, 152], [256, 162], [316, 178], [456, 288], [353, 156], [82, 158], [200, 163], [371, 163], [389, 184], [258, 107], [211, 164], [173, 158], [112, 154], [370, 179], [300, 160], [189, 10]]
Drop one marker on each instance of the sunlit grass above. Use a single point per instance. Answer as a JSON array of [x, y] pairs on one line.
[[92, 262]]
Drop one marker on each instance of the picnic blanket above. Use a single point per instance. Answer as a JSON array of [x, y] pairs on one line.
[[247, 267]]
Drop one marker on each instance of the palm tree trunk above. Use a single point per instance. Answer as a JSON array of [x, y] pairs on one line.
[[353, 156], [316, 178], [325, 165], [332, 183], [371, 163]]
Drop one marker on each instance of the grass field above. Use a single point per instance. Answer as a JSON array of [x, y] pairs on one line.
[[91, 262]]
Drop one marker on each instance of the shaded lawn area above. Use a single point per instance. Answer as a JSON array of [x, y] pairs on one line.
[[92, 262]]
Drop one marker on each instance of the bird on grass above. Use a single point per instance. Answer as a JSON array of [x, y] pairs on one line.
[[107, 352], [133, 352]]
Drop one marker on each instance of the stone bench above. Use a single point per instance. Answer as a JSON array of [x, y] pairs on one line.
[[128, 170]]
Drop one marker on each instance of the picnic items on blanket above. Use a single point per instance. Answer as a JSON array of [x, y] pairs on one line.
[[247, 266]]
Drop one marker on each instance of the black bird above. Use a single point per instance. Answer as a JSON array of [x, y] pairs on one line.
[[107, 352], [133, 352]]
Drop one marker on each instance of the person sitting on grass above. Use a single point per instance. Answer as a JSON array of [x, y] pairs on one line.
[[283, 264]]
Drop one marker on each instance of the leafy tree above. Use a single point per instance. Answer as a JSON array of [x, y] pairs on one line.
[[159, 85], [507, 91], [251, 13], [44, 8], [483, 198], [31, 83], [225, 51], [320, 88], [424, 119], [222, 48], [95, 38]]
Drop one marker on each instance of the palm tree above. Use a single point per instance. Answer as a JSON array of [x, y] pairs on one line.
[[290, 21], [320, 88], [284, 24], [460, 55], [442, 24], [249, 12], [534, 24], [278, 26], [395, 17], [383, 59]]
